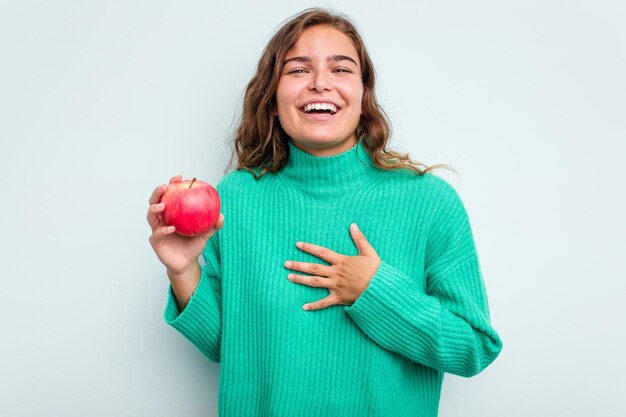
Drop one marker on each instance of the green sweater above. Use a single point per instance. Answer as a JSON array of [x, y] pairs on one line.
[[425, 311]]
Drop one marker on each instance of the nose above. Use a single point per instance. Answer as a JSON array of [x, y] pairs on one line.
[[320, 82]]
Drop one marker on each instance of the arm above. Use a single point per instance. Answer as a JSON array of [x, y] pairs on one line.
[[183, 285], [447, 325], [200, 320]]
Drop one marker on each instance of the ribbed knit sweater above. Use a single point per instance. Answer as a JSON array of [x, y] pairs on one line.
[[424, 312]]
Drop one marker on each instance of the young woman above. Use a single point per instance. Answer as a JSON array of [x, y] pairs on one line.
[[341, 279]]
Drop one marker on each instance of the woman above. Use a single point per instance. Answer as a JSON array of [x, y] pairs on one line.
[[307, 313]]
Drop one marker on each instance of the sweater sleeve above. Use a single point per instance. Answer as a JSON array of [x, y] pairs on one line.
[[200, 322], [445, 325]]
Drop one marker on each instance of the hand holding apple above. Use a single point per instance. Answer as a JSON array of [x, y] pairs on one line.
[[179, 253], [191, 206]]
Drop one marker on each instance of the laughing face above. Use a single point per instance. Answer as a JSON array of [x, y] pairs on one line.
[[320, 92]]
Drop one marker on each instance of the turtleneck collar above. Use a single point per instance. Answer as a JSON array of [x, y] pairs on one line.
[[327, 176]]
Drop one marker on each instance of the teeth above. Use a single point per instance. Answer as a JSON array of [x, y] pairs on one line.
[[320, 106]]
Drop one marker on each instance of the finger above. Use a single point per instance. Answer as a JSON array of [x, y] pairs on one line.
[[220, 222], [155, 197], [154, 215], [320, 251], [158, 236], [312, 281], [176, 178], [309, 268], [359, 240], [323, 303]]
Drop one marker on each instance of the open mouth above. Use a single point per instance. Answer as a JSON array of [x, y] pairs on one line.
[[320, 108]]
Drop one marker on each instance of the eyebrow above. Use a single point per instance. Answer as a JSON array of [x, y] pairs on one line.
[[333, 58]]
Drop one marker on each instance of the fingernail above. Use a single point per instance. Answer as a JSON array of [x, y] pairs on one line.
[[354, 227], [287, 264], [298, 244]]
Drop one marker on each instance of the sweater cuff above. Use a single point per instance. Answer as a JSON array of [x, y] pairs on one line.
[[387, 287], [392, 304], [199, 320]]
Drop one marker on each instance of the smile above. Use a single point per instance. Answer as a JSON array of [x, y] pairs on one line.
[[320, 108]]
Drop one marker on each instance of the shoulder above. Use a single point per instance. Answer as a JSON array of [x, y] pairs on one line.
[[440, 190], [239, 180], [434, 198], [448, 214], [428, 187]]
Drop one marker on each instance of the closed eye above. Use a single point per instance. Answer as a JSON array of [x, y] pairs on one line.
[[297, 71]]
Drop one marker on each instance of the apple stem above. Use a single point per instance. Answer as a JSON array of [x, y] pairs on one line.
[[192, 181]]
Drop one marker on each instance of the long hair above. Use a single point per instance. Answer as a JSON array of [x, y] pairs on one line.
[[261, 144]]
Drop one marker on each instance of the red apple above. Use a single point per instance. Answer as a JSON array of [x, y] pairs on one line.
[[192, 206]]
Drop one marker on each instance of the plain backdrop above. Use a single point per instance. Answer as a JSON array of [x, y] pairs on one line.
[[101, 102]]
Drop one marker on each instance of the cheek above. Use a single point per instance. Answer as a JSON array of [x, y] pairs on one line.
[[284, 97], [358, 101], [355, 92], [278, 97], [282, 108]]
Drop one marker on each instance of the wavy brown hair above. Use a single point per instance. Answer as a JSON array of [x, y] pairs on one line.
[[261, 144]]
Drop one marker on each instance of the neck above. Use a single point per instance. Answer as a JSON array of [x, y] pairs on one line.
[[330, 151], [328, 176]]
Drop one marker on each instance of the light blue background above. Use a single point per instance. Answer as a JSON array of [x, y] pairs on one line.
[[100, 102]]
